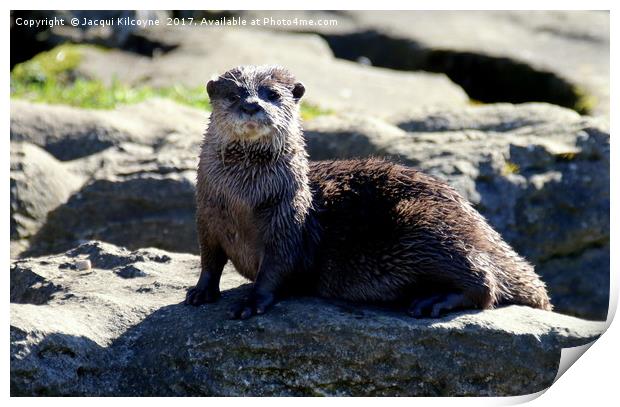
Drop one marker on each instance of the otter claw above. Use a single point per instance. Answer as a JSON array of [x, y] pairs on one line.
[[253, 305], [197, 296], [436, 305]]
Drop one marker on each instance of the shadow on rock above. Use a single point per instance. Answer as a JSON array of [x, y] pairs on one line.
[[302, 347]]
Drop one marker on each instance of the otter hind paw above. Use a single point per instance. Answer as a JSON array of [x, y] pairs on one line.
[[197, 296], [436, 305]]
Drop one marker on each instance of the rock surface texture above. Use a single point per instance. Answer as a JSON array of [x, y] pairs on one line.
[[119, 329], [139, 169], [560, 57], [39, 183], [331, 83]]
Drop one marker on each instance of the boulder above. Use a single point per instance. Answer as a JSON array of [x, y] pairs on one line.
[[140, 210], [203, 52], [560, 57], [105, 331], [39, 183], [351, 136], [120, 164], [140, 182], [69, 133]]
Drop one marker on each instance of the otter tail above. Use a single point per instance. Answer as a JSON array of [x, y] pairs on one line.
[[532, 293], [521, 285], [509, 277], [514, 278]]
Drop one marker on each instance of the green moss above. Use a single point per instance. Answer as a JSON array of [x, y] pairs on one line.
[[96, 95], [568, 156], [50, 77], [475, 102], [510, 168], [585, 103], [50, 66]]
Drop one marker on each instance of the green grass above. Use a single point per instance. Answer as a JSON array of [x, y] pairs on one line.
[[50, 77], [94, 94], [309, 111]]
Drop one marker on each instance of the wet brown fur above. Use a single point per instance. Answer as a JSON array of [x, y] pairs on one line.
[[362, 230]]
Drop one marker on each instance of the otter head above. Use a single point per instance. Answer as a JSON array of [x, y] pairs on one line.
[[255, 103]]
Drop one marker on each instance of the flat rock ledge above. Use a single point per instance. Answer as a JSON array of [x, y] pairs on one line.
[[119, 328]]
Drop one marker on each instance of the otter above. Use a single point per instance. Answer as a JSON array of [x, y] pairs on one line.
[[365, 230]]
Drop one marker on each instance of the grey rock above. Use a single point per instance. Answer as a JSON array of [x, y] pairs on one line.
[[18, 246], [139, 188], [580, 281], [350, 136], [39, 183], [69, 133], [340, 85], [559, 57], [130, 271], [101, 334], [144, 210]]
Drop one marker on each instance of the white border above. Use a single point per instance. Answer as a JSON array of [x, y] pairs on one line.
[[592, 381]]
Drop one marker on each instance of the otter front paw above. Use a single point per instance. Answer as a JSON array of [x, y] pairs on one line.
[[197, 296], [255, 304]]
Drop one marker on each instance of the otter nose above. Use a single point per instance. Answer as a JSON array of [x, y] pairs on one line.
[[250, 108]]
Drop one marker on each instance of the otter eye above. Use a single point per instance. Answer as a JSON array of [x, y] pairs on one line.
[[231, 97], [273, 95]]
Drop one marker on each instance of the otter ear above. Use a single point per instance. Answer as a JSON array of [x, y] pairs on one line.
[[298, 91], [211, 88]]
